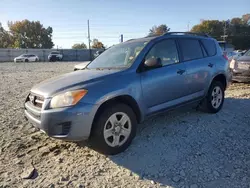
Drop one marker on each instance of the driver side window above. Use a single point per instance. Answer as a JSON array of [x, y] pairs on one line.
[[166, 51]]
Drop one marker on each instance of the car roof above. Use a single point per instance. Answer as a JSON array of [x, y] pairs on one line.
[[173, 34]]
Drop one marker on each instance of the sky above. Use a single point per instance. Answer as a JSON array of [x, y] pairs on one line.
[[111, 18]]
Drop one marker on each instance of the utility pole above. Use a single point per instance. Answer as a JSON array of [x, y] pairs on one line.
[[89, 42], [121, 37], [225, 31]]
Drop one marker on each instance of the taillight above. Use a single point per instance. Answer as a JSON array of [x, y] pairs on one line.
[[225, 57]]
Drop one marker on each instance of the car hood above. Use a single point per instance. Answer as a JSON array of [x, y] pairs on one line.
[[82, 65], [19, 57], [244, 58], [70, 81]]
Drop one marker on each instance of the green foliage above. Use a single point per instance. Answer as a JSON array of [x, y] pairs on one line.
[[79, 46], [5, 38], [30, 34], [97, 44], [238, 30], [158, 30]]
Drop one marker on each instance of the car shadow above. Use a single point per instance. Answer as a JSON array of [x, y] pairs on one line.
[[185, 147]]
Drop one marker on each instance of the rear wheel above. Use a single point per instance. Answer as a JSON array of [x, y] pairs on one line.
[[26, 60], [36, 60], [214, 99], [114, 130]]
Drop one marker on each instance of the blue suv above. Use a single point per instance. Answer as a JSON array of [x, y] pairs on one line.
[[128, 83]]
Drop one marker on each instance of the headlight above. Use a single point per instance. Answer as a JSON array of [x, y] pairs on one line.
[[67, 99]]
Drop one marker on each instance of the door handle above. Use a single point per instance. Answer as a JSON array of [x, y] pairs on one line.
[[180, 71], [210, 65]]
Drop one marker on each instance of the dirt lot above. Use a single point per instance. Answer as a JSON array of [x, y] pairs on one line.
[[182, 148]]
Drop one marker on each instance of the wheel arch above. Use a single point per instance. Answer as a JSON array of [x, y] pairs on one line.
[[125, 99], [221, 78]]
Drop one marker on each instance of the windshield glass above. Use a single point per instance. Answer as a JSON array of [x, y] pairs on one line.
[[119, 56], [247, 53], [54, 52]]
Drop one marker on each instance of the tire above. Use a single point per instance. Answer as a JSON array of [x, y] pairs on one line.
[[214, 99], [36, 60], [26, 60], [103, 126]]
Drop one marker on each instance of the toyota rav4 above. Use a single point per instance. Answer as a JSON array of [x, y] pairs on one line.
[[128, 83]]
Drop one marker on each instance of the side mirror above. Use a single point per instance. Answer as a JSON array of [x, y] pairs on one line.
[[153, 63]]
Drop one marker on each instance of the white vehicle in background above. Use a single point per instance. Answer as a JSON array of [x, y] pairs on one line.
[[233, 55], [26, 58], [55, 56], [226, 47]]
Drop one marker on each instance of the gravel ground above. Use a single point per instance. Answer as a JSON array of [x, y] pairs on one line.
[[182, 148]]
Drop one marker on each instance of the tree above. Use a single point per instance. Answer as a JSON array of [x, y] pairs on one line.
[[238, 30], [97, 44], [236, 21], [30, 34], [246, 19], [211, 27], [5, 38], [159, 30], [79, 46]]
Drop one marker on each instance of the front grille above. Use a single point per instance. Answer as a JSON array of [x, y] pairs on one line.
[[35, 100]]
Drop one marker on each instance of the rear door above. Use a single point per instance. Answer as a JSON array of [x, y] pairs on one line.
[[163, 86], [198, 64], [31, 58]]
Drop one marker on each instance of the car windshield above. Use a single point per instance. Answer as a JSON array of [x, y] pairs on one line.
[[247, 53], [54, 53], [23, 55], [119, 56]]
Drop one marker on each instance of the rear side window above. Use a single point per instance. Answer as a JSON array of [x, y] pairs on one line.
[[191, 49], [209, 46]]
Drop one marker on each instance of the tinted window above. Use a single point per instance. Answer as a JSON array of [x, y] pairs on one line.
[[209, 46], [191, 49], [54, 52], [204, 51], [165, 50]]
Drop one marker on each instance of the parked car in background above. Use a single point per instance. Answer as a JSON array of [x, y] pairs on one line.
[[241, 68], [26, 58], [127, 84], [233, 55], [81, 66], [226, 47], [55, 56]]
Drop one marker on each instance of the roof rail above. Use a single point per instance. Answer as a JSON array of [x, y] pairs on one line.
[[186, 33]]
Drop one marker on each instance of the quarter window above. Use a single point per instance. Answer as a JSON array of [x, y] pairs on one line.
[[191, 49], [209, 46], [166, 51]]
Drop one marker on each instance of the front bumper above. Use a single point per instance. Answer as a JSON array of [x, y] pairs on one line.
[[70, 123], [18, 60]]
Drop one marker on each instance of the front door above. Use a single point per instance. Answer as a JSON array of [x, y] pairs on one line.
[[162, 86]]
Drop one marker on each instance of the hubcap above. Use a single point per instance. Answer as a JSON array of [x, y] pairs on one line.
[[117, 129], [216, 97]]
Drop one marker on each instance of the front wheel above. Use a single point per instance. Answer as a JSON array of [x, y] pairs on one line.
[[214, 99], [114, 130]]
